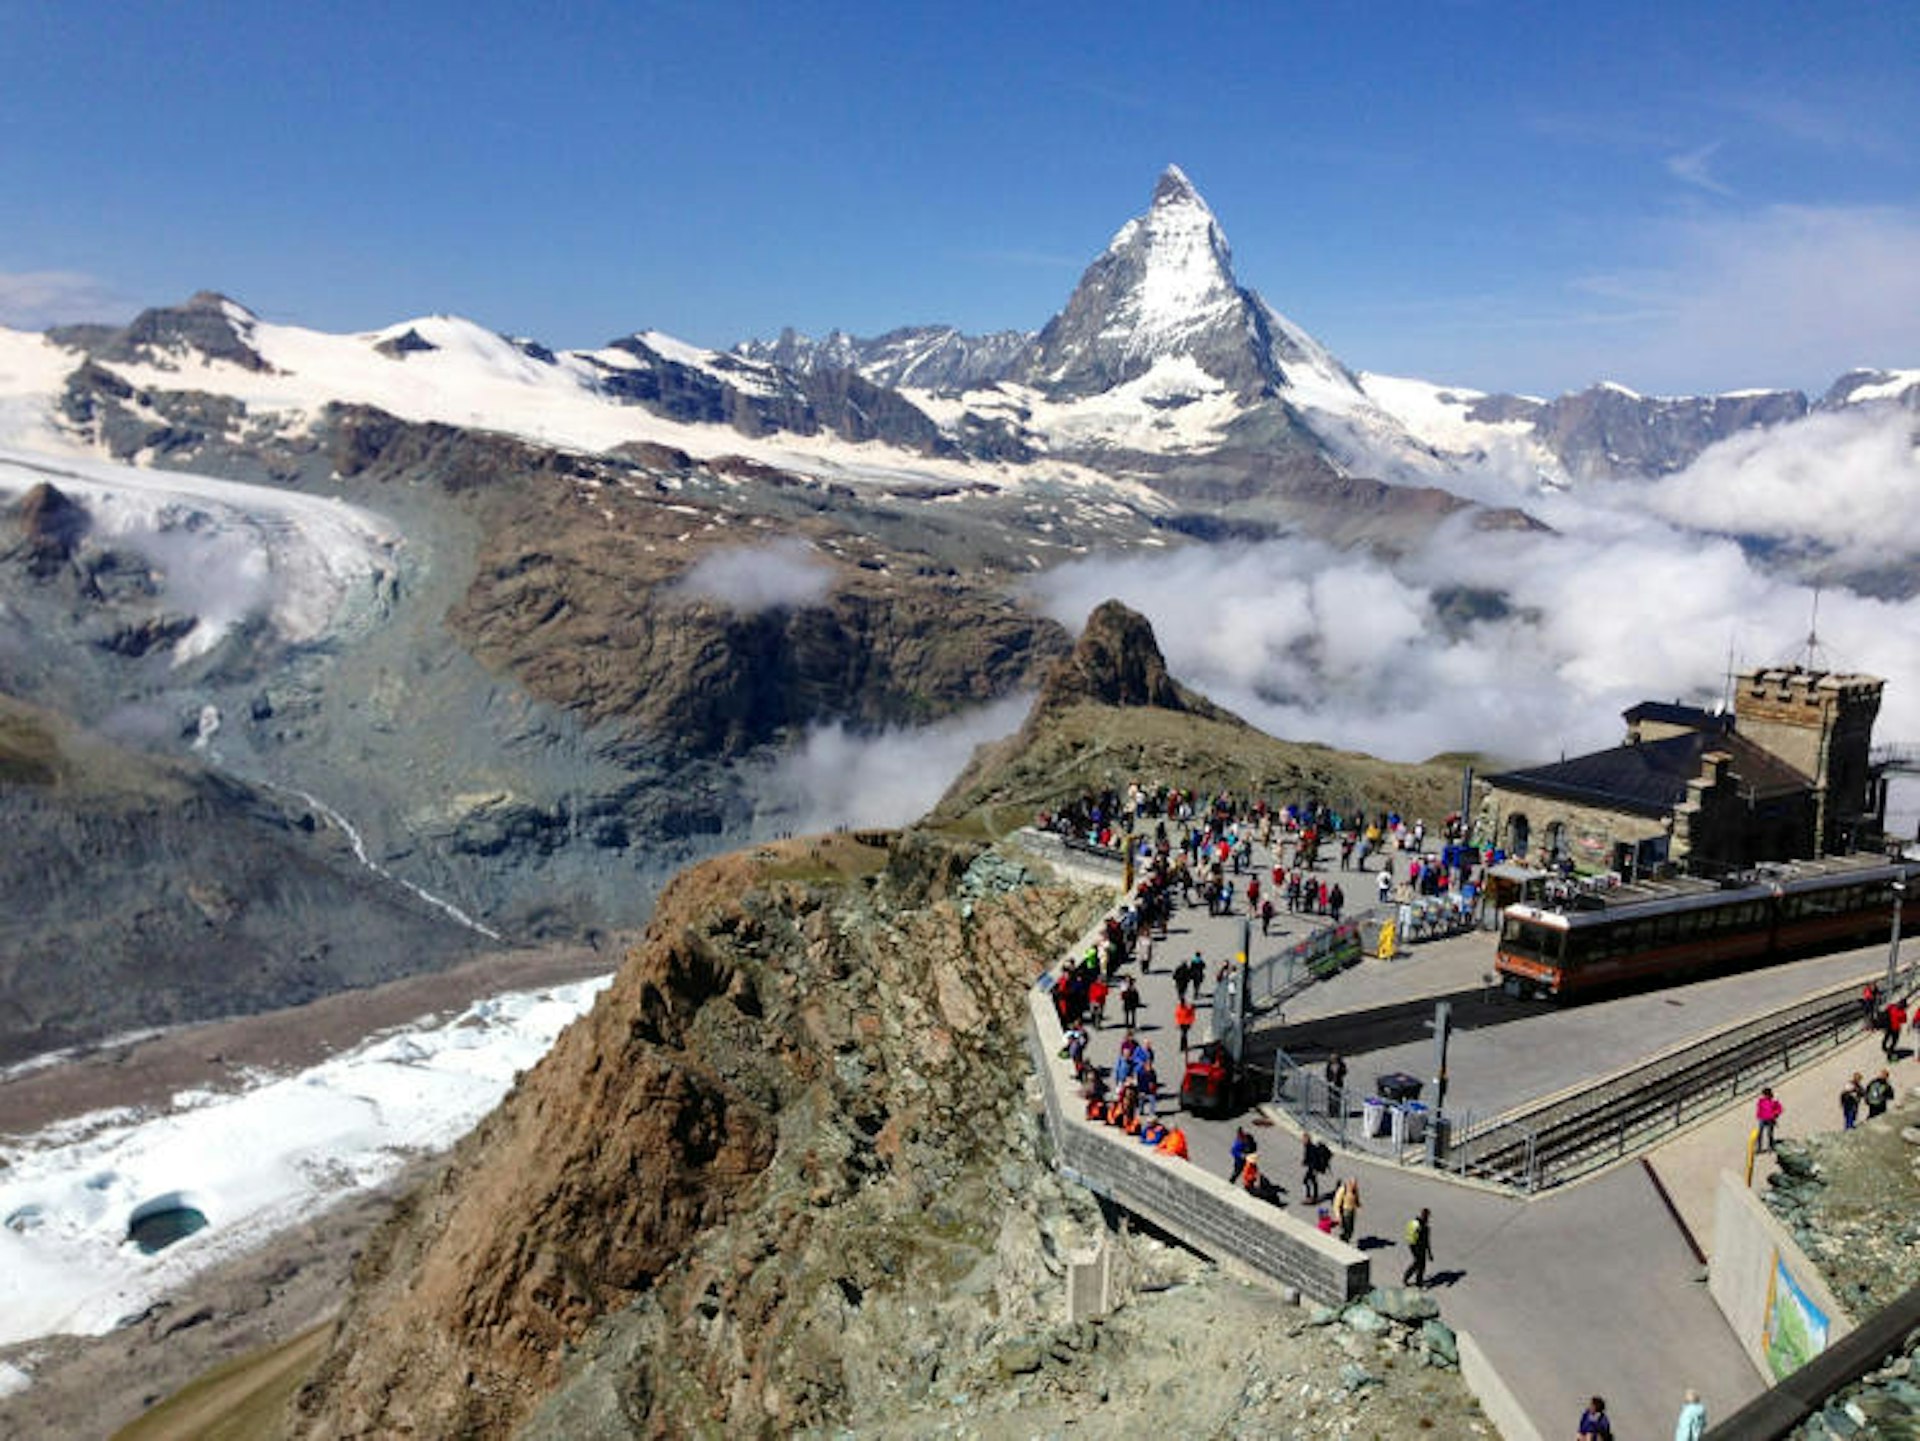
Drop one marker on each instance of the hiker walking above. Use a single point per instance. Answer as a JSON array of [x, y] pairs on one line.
[[1315, 1157], [1850, 1102], [1183, 1017], [1894, 1020], [1130, 1003], [1420, 1243], [1691, 1423]]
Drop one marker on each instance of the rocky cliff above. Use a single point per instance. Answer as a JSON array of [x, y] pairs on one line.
[[816, 1045], [787, 1176], [578, 594]]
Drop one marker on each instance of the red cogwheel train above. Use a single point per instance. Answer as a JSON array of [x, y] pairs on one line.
[[1682, 928]]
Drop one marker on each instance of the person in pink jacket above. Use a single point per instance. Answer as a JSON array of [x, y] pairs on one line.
[[1767, 1111]]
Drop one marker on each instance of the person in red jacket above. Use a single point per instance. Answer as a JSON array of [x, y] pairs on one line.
[[1097, 1000], [1183, 1017], [1896, 1021]]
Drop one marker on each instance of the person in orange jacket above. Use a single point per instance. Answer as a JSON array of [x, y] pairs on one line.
[[1174, 1143], [1183, 1016]]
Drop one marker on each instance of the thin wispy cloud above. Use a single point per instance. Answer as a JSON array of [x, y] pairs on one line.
[[784, 574], [1829, 126], [1695, 167], [1778, 296], [35, 299]]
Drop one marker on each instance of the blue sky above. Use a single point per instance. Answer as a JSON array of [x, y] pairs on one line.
[[1679, 197]]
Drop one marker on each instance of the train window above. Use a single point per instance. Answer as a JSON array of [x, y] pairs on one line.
[[1663, 929], [1684, 924]]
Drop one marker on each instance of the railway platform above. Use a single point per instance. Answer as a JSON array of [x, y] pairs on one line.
[[1593, 1286]]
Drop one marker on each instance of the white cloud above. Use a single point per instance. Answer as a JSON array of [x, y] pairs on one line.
[[35, 299], [1626, 600], [1837, 479], [750, 579], [837, 777]]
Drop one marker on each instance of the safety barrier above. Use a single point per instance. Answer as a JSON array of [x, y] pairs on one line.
[[1601, 1122], [1200, 1209]]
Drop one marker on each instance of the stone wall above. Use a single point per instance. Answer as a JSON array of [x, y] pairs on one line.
[[1590, 833], [1822, 726], [1216, 1219]]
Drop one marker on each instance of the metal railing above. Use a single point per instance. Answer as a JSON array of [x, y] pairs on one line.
[[1573, 1135], [1273, 980], [1358, 1122]]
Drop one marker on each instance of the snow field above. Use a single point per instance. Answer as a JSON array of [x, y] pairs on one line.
[[255, 1162]]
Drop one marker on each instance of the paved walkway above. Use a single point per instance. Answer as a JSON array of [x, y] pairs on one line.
[[1589, 1288]]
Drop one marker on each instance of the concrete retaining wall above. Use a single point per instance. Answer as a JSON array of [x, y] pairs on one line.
[[1220, 1221], [1750, 1252], [1496, 1398]]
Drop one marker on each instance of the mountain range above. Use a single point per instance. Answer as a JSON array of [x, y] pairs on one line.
[[520, 630]]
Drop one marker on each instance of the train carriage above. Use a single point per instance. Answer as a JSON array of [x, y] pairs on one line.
[[1659, 930]]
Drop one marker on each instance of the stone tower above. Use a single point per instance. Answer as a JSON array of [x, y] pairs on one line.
[[1821, 724]]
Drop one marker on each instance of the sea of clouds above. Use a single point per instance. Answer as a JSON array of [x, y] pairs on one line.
[[1638, 591]]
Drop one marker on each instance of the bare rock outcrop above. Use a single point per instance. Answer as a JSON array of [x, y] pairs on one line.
[[790, 1093], [1117, 662]]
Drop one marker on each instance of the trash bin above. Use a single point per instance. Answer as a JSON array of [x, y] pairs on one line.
[[1398, 1086], [1409, 1123], [1373, 1116], [1440, 1137]]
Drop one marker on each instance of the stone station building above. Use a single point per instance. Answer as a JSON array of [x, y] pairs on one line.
[[1785, 776]]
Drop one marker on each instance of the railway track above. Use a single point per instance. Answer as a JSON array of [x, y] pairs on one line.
[[1575, 1134]]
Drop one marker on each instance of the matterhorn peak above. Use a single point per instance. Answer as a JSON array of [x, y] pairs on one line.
[[1173, 188], [1164, 289]]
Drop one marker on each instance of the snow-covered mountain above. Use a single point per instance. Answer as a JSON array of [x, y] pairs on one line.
[[1161, 351], [923, 357], [1159, 357], [1164, 290]]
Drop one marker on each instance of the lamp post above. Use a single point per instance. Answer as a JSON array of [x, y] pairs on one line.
[[1893, 949]]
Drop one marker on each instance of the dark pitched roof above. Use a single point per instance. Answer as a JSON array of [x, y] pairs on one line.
[[1651, 778], [1673, 713]]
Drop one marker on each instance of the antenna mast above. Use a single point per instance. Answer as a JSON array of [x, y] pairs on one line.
[[1813, 633]]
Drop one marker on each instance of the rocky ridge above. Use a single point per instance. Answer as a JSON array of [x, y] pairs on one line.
[[1109, 714], [1851, 1200], [790, 1175]]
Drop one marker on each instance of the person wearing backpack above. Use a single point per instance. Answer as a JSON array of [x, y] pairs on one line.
[[1420, 1243]]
